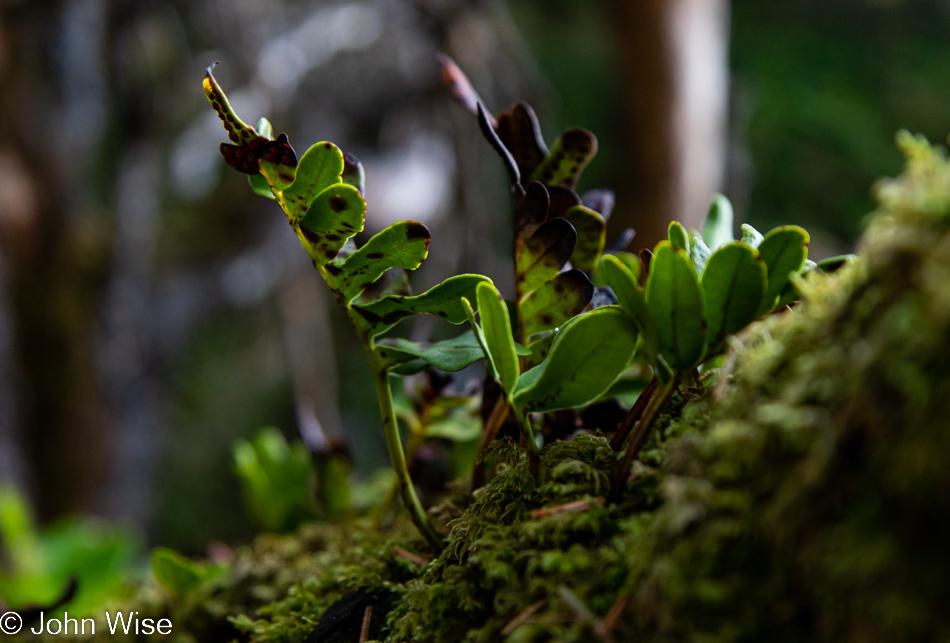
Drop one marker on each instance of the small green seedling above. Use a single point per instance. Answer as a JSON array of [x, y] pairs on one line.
[[588, 354], [559, 236], [276, 479], [699, 290], [321, 195], [180, 575]]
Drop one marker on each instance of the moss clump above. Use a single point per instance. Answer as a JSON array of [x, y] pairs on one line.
[[276, 589], [511, 549], [810, 503]]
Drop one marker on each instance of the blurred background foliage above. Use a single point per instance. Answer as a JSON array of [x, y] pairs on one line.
[[153, 311]]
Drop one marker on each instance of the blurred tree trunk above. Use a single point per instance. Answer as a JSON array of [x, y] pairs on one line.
[[49, 282], [674, 57]]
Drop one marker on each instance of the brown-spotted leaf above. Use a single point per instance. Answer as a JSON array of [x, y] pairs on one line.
[[394, 281], [279, 162], [532, 208], [333, 216], [543, 254], [562, 200], [402, 245], [591, 236], [485, 123], [320, 167], [245, 151], [238, 131], [243, 158], [520, 131], [571, 153], [556, 301]]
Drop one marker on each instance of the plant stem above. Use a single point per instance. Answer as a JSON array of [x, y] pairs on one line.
[[417, 434], [531, 446], [636, 411], [385, 398], [396, 453], [499, 414], [639, 437]]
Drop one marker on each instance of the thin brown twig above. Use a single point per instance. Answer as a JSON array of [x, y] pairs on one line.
[[364, 632], [640, 436], [568, 507], [525, 614], [615, 612], [633, 414], [422, 561]]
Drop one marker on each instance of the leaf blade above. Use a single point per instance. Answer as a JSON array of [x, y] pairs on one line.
[[784, 251], [488, 130], [543, 254], [450, 355], [320, 167], [678, 236], [631, 299], [569, 155], [717, 230], [675, 301], [442, 300], [700, 253], [591, 229], [240, 133], [520, 132], [331, 218], [496, 326], [733, 286], [402, 245], [589, 353], [561, 297]]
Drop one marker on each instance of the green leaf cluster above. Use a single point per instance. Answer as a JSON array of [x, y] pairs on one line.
[[586, 357], [40, 563], [275, 478], [702, 288], [322, 198], [559, 236], [321, 195], [180, 575]]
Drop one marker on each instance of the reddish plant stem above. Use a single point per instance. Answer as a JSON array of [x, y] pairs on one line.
[[639, 437], [525, 614], [634, 414], [364, 631]]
